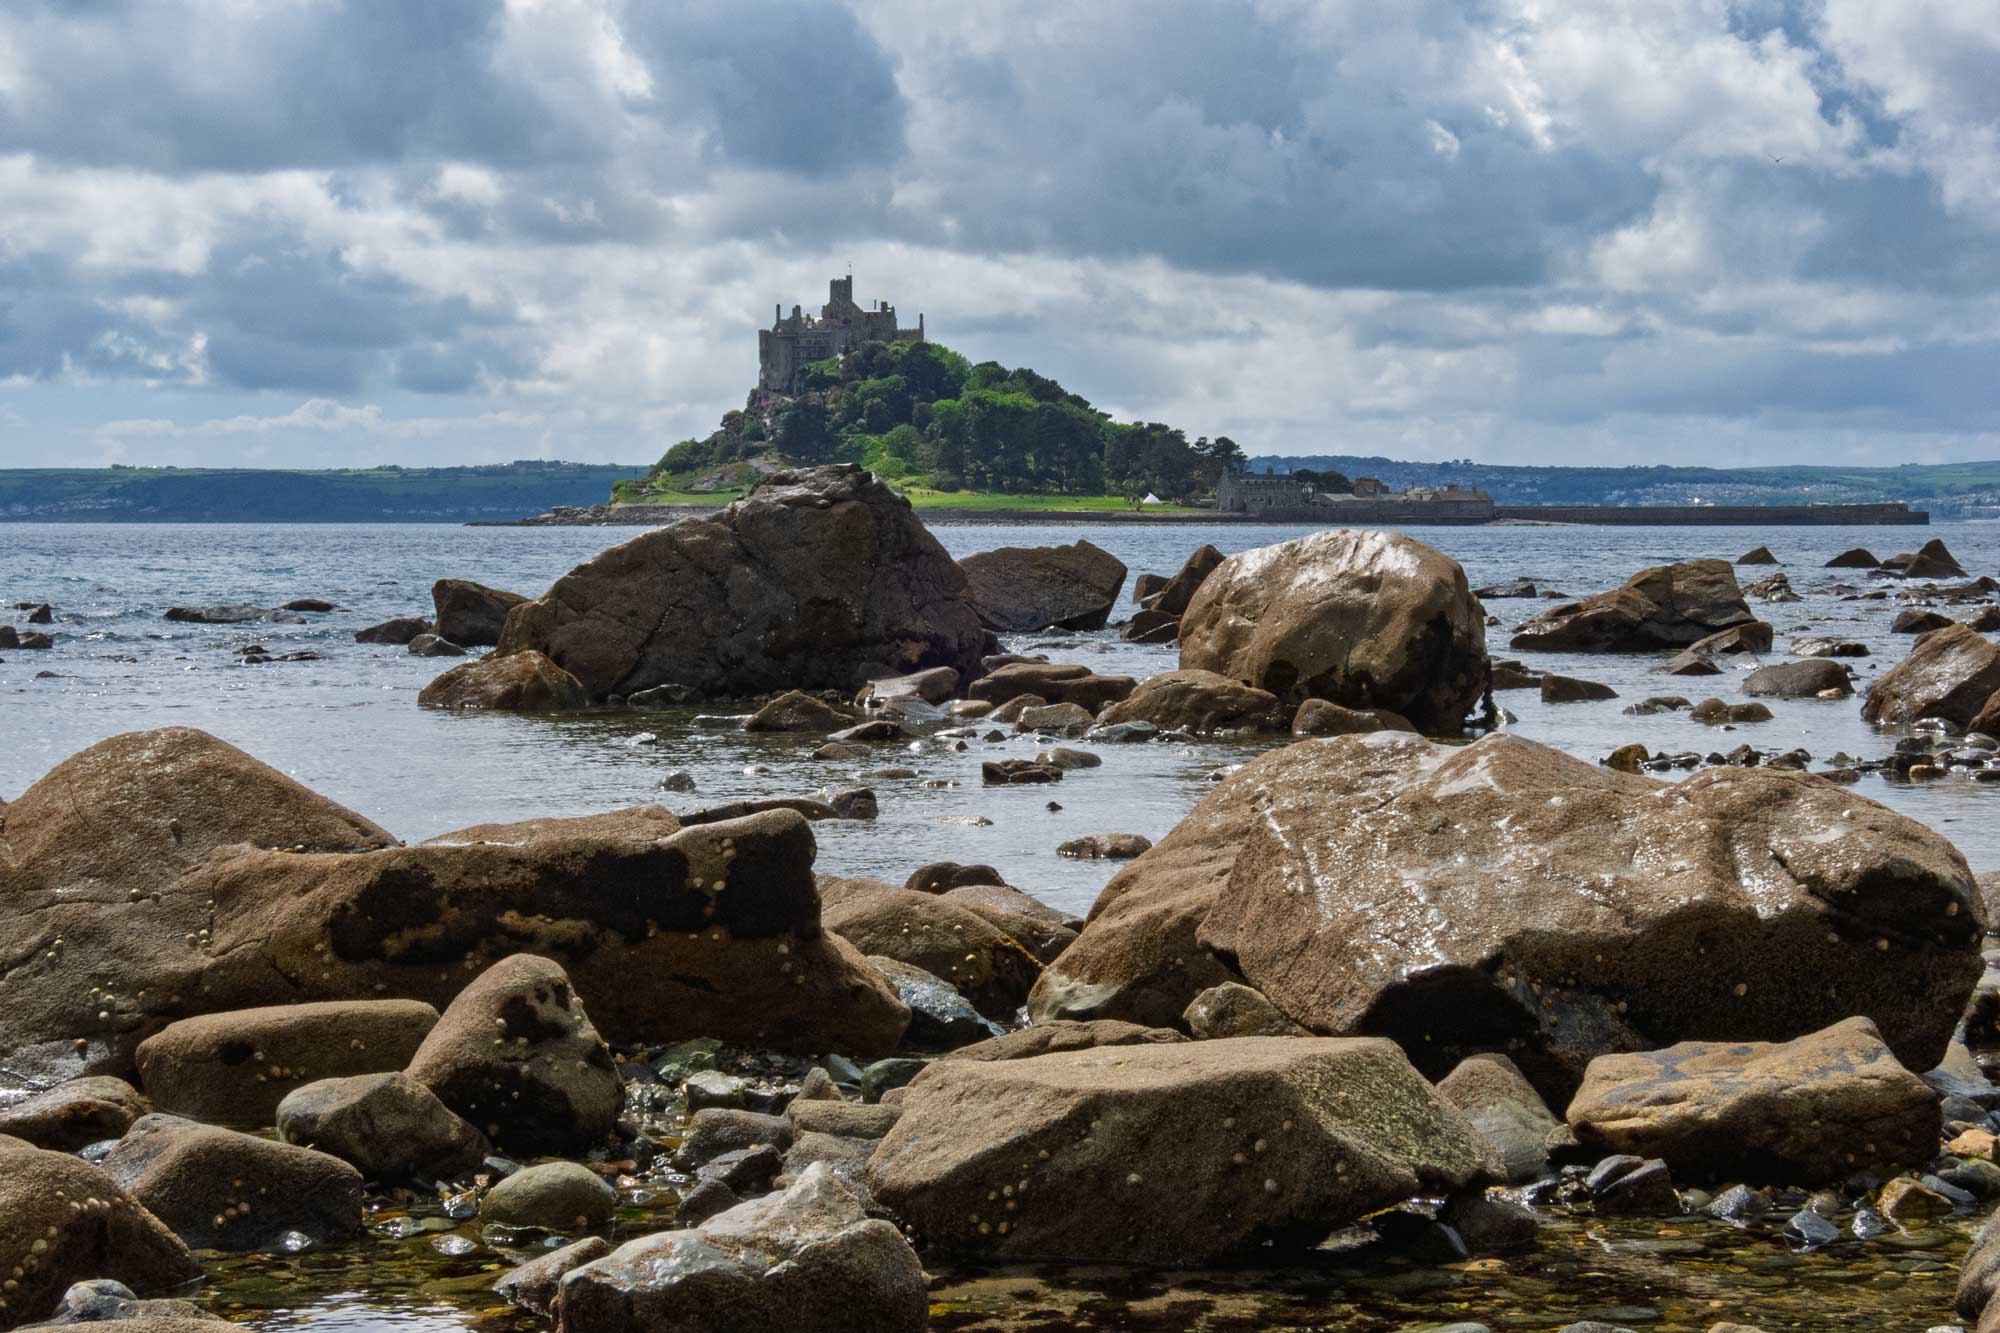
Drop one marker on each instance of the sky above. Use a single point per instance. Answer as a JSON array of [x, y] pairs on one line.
[[321, 233]]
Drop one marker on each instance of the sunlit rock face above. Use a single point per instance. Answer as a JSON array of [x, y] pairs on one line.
[[1504, 896]]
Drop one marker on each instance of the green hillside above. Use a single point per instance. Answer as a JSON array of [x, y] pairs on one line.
[[922, 416], [247, 495]]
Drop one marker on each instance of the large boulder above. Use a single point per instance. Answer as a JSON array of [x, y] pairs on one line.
[[520, 682], [66, 1222], [386, 1126], [1176, 1154], [108, 951], [1178, 593], [1365, 619], [1505, 896], [1197, 701], [1950, 675], [234, 1068], [516, 1056], [819, 579], [1668, 606], [1021, 588], [1811, 1111], [221, 1190], [945, 938], [471, 614], [809, 1260], [667, 933]]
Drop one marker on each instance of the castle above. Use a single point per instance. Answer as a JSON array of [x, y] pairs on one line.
[[1277, 497], [791, 344]]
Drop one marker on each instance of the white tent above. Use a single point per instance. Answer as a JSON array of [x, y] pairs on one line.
[[1152, 499]]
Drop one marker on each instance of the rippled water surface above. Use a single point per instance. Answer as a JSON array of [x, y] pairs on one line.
[[347, 725]]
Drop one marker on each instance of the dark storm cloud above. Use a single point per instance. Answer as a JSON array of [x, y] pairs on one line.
[[772, 85], [175, 88]]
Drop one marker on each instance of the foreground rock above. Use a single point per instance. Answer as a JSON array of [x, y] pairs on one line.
[[809, 1260], [386, 1126], [820, 579], [221, 1190], [1950, 675], [945, 938], [1020, 588], [667, 933], [73, 1115], [1196, 701], [1585, 911], [1178, 1154], [1668, 606], [68, 1221], [471, 614], [1363, 619], [516, 1056], [1505, 1107], [524, 682], [1811, 1111], [234, 1068]]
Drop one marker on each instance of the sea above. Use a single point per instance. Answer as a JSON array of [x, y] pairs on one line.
[[346, 723]]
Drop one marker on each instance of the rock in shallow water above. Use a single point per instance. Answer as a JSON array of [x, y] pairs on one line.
[[822, 578], [1811, 1111], [1178, 1154], [1669, 606], [75, 1114], [1364, 619], [386, 1126], [221, 1190], [1020, 588], [106, 1234], [808, 1260]]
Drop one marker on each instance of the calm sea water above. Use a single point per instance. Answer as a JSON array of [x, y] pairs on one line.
[[348, 725]]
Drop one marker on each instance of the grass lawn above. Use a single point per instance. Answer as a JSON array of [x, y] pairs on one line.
[[923, 498]]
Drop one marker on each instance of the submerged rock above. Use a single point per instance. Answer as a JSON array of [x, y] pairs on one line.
[[1181, 1154], [1363, 619], [809, 1260], [822, 578], [1668, 606], [1810, 1111], [399, 632], [1016, 589]]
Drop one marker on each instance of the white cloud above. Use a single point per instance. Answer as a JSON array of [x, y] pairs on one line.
[[1516, 229]]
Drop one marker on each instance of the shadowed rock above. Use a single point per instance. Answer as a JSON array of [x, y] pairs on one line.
[[470, 613], [1668, 606], [1020, 588], [822, 578]]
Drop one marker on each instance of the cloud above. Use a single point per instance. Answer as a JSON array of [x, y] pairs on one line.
[[1627, 228]]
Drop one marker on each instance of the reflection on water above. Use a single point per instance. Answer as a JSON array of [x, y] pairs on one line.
[[347, 725]]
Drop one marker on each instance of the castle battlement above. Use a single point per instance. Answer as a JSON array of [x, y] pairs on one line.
[[795, 341]]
